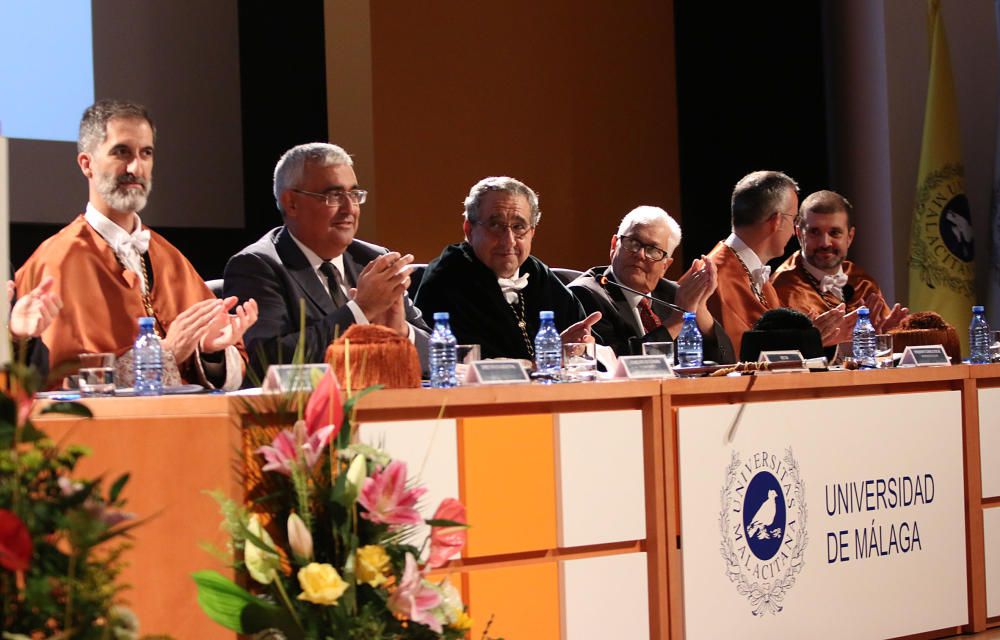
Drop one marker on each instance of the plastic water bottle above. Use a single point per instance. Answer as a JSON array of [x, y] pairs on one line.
[[147, 360], [442, 353], [689, 342], [548, 349], [864, 340], [979, 338]]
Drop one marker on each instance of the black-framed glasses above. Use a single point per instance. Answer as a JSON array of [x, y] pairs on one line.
[[497, 228], [651, 251], [334, 198]]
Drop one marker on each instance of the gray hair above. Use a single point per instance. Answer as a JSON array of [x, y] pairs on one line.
[[758, 194], [288, 172], [500, 183], [94, 124], [647, 216]]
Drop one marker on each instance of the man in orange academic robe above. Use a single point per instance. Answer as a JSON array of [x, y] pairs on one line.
[[109, 269], [764, 206], [818, 277]]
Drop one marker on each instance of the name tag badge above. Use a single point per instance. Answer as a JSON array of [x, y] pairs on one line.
[[931, 355], [638, 367], [498, 371], [293, 377], [791, 361]]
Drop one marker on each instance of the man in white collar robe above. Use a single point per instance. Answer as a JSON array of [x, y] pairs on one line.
[[109, 270]]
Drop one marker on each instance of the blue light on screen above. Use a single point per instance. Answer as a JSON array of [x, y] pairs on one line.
[[46, 68]]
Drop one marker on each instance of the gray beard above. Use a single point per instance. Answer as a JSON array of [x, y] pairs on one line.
[[123, 200]]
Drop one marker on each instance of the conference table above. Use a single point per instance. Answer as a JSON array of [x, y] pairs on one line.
[[858, 504]]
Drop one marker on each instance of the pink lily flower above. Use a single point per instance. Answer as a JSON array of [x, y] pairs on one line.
[[447, 541], [387, 500], [283, 454], [415, 599], [324, 407]]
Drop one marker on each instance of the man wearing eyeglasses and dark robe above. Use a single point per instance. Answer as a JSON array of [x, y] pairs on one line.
[[315, 257], [640, 256], [490, 285]]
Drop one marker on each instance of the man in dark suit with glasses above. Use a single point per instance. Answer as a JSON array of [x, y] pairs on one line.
[[315, 257], [640, 256]]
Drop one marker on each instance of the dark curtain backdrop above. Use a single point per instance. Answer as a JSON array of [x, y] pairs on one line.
[[751, 95]]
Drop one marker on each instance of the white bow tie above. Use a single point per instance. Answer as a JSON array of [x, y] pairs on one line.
[[761, 276], [834, 283], [510, 286], [138, 243]]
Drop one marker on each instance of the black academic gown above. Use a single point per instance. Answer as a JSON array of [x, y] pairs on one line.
[[457, 282]]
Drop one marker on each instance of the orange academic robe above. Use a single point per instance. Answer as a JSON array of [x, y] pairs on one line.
[[797, 289], [734, 303], [102, 300]]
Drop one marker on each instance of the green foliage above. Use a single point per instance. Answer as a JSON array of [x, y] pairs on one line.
[[70, 588]]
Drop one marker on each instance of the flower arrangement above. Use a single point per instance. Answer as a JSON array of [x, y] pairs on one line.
[[60, 552], [328, 548]]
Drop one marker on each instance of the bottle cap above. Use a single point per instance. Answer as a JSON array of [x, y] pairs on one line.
[[689, 315], [440, 315], [146, 322], [977, 309], [547, 315], [862, 312]]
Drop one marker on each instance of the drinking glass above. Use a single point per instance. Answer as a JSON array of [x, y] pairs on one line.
[[579, 361], [883, 351], [97, 374], [994, 346], [659, 348]]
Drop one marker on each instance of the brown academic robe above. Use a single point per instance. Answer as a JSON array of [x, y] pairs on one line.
[[102, 300], [798, 290], [734, 303]]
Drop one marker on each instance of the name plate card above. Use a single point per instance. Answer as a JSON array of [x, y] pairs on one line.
[[498, 371], [790, 361], [637, 367], [932, 355], [293, 377]]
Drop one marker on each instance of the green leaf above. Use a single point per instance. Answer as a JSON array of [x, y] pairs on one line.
[[69, 409], [441, 522], [31, 433], [7, 430], [8, 409], [224, 602], [117, 487]]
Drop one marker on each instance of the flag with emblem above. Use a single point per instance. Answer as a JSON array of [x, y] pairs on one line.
[[941, 247]]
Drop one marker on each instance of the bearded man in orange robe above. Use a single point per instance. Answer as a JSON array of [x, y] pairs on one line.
[[818, 277], [109, 269]]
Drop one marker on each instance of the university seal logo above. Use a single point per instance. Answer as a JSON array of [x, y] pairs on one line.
[[763, 527]]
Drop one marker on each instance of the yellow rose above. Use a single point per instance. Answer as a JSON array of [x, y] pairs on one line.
[[372, 565], [321, 584]]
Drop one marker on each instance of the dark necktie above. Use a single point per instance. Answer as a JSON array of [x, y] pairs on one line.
[[335, 283], [650, 321]]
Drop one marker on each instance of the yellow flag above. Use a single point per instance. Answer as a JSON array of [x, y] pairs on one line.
[[942, 274]]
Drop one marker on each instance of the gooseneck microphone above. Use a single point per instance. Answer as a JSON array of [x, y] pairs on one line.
[[605, 282]]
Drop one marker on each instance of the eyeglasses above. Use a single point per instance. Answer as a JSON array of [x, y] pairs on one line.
[[334, 198], [652, 252], [495, 228]]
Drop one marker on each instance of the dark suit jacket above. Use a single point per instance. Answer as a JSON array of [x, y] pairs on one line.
[[274, 272], [618, 327]]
